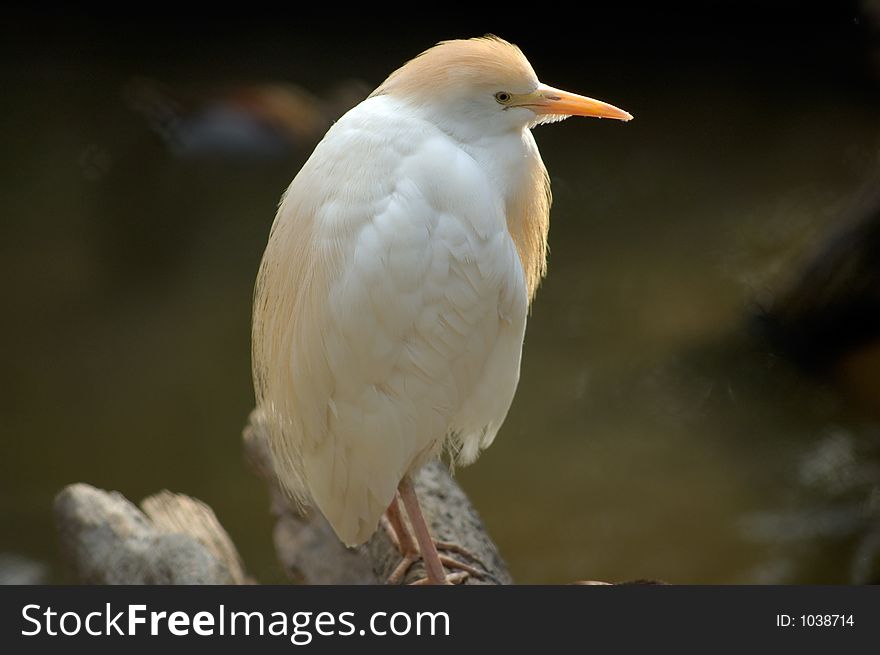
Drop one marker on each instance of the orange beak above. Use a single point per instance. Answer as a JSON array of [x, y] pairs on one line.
[[547, 100]]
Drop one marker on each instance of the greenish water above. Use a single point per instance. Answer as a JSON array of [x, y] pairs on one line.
[[651, 435]]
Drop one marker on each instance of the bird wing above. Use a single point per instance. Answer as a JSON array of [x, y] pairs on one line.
[[389, 314]]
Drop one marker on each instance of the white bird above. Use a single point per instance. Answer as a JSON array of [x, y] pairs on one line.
[[390, 306]]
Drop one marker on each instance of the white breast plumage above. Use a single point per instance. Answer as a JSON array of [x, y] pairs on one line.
[[393, 322]]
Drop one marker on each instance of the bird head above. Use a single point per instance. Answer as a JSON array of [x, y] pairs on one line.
[[486, 85]]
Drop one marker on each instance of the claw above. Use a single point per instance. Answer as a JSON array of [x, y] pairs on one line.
[[451, 563]]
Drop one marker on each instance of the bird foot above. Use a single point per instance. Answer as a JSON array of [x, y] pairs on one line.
[[410, 555], [463, 572], [452, 563]]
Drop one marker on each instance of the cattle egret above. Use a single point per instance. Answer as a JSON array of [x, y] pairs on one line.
[[390, 305]]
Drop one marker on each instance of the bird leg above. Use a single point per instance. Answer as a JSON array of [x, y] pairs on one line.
[[427, 546], [433, 566], [400, 535]]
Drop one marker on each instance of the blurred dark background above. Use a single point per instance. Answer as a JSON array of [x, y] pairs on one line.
[[700, 391]]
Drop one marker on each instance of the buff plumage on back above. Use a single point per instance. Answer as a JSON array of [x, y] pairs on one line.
[[455, 63]]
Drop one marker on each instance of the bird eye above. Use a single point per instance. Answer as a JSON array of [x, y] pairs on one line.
[[503, 97]]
